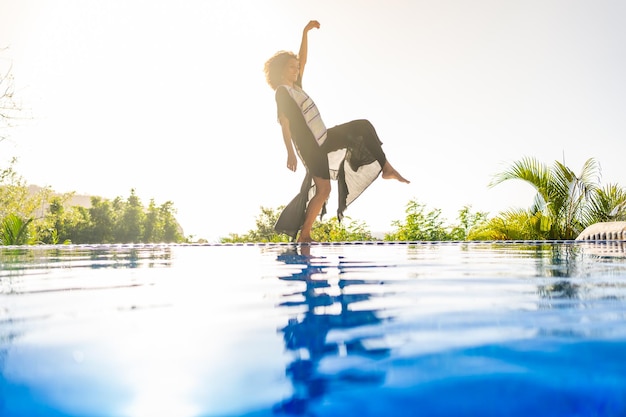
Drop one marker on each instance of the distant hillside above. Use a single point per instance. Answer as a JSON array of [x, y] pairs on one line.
[[76, 200]]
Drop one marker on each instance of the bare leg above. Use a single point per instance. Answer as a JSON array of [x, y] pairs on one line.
[[322, 191], [390, 173], [362, 131]]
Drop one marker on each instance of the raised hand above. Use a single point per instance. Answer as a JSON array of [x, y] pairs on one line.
[[313, 24], [302, 54]]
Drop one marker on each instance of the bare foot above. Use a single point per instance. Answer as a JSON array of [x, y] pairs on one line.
[[389, 173], [305, 239]]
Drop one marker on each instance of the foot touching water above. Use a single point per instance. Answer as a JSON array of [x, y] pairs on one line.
[[305, 239]]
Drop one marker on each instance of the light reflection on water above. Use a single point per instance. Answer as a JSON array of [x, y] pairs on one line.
[[436, 329]]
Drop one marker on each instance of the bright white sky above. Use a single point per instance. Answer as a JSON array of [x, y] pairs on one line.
[[168, 97]]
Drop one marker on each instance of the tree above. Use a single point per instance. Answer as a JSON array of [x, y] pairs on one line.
[[264, 231], [324, 231], [102, 220], [31, 215], [468, 223], [160, 224], [419, 225], [64, 223], [18, 207], [130, 225], [151, 223], [9, 107], [17, 199], [58, 223], [347, 230], [265, 222], [171, 230], [565, 203]]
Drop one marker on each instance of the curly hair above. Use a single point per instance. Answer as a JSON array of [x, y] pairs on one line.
[[274, 67]]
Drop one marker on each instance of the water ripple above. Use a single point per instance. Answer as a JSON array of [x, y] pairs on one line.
[[517, 329]]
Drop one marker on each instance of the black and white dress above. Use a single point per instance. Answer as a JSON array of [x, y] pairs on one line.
[[349, 153]]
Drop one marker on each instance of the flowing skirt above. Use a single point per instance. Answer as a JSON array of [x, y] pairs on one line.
[[352, 155]]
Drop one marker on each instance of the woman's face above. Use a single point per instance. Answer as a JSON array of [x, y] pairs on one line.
[[291, 71]]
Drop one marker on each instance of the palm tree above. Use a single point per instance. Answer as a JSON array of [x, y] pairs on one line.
[[565, 201]]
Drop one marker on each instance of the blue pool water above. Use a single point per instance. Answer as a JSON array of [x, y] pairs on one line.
[[448, 329]]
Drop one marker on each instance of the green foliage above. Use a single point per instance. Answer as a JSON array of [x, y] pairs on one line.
[[14, 230], [323, 231], [117, 221], [420, 225], [63, 223], [103, 219], [608, 204], [265, 222], [16, 199], [564, 205], [468, 223], [333, 230], [160, 223], [7, 175], [52, 220], [130, 225], [510, 225], [264, 231], [49, 219]]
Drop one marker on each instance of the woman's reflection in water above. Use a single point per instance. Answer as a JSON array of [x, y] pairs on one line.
[[326, 305]]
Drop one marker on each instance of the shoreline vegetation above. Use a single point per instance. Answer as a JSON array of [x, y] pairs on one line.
[[31, 215], [564, 205]]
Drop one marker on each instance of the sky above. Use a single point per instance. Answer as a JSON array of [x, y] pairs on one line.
[[169, 98]]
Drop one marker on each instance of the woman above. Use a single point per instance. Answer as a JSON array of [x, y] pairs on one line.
[[350, 153]]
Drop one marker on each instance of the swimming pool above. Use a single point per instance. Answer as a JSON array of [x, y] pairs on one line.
[[361, 329]]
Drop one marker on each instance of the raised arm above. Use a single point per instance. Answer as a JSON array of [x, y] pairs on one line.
[[304, 45]]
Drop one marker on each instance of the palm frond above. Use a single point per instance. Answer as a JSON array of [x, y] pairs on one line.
[[565, 202], [14, 230], [606, 204], [571, 195], [592, 171], [527, 169]]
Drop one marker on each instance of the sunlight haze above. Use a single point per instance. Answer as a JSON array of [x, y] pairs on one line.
[[169, 98]]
